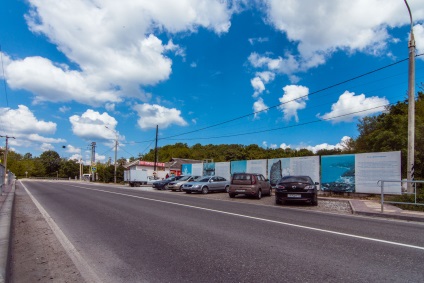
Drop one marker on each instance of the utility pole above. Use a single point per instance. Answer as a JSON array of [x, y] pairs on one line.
[[411, 105], [116, 152], [156, 148], [93, 160], [5, 158]]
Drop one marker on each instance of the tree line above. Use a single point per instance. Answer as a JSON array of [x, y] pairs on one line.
[[387, 131]]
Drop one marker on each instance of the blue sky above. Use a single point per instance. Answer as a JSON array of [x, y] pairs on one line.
[[199, 69]]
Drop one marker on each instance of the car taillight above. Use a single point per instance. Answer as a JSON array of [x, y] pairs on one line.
[[253, 180], [281, 187]]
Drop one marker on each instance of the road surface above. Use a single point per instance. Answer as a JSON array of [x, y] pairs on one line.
[[117, 235]]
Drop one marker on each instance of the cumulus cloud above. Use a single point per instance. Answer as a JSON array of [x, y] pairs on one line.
[[92, 125], [258, 107], [152, 115], [259, 81], [315, 148], [112, 45], [350, 106], [24, 122], [419, 39], [362, 26], [293, 99]]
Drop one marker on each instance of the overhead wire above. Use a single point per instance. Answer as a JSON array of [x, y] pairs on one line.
[[278, 105]]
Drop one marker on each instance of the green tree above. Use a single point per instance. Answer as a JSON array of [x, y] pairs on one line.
[[51, 162]]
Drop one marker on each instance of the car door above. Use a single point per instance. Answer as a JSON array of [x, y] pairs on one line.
[[213, 184]]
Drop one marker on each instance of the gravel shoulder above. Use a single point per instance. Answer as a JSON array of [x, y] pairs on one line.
[[37, 255]]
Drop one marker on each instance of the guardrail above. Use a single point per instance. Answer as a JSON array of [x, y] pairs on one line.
[[403, 192]]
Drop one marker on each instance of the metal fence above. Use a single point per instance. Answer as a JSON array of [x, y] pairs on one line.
[[416, 188]]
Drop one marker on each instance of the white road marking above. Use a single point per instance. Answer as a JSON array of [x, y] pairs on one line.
[[262, 219], [86, 272]]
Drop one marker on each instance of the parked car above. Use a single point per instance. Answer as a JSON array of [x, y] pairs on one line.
[[207, 184], [162, 184], [178, 184], [249, 184], [296, 188]]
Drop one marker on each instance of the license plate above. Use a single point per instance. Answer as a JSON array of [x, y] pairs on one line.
[[240, 191], [294, 196]]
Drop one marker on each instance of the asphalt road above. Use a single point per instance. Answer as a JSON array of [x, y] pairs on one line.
[[139, 236]]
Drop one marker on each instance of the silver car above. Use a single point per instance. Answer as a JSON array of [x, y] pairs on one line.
[[177, 185], [207, 184]]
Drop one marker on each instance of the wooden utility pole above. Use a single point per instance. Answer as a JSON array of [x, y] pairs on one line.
[[5, 157]]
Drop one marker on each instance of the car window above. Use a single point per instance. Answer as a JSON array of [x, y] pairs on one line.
[[241, 177], [205, 179], [299, 179], [185, 178]]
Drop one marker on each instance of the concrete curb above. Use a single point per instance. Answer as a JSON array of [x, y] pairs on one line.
[[5, 229], [398, 216]]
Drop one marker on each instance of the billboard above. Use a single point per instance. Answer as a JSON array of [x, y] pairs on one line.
[[338, 173]]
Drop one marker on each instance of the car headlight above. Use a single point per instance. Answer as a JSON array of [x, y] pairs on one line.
[[196, 186]]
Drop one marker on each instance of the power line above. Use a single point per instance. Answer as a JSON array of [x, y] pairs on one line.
[[292, 126], [278, 105]]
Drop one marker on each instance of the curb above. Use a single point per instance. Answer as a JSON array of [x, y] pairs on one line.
[[5, 237], [385, 215]]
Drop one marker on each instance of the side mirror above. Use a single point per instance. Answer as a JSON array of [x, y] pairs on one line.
[[316, 183]]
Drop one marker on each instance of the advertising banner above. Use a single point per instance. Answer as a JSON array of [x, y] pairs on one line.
[[223, 169], [338, 173], [372, 167], [257, 166], [186, 169], [197, 169], [239, 166], [209, 169], [306, 166]]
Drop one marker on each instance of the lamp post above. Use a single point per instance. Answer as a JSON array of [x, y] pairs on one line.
[[411, 104], [116, 152]]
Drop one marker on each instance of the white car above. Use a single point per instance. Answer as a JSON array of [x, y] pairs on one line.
[[151, 179], [177, 185]]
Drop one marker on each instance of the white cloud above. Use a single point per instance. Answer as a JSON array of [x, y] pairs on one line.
[[72, 149], [326, 26], [419, 39], [152, 115], [259, 106], [252, 40], [258, 82], [92, 125], [284, 146], [293, 99], [315, 148], [24, 122], [110, 107], [64, 109], [362, 26], [46, 147], [111, 43], [358, 105]]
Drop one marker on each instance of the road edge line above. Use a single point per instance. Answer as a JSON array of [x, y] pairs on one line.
[[81, 264]]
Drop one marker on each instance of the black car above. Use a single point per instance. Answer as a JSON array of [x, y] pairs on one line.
[[296, 188], [161, 185]]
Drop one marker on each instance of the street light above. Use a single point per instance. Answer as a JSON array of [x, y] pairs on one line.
[[116, 151], [411, 104]]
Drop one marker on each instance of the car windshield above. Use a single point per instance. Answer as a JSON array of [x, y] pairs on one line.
[[185, 178], [295, 179], [241, 177], [204, 179], [170, 179]]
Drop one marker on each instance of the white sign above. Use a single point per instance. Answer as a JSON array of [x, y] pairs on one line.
[[372, 167]]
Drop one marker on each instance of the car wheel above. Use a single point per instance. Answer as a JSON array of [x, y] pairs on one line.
[[314, 201], [232, 195], [188, 192], [181, 188], [259, 194], [227, 189], [278, 201], [205, 190]]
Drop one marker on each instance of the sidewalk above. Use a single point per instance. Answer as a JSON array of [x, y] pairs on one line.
[[6, 205], [373, 208]]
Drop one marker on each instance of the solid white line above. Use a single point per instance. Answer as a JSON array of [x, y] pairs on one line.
[[86, 272], [263, 219]]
